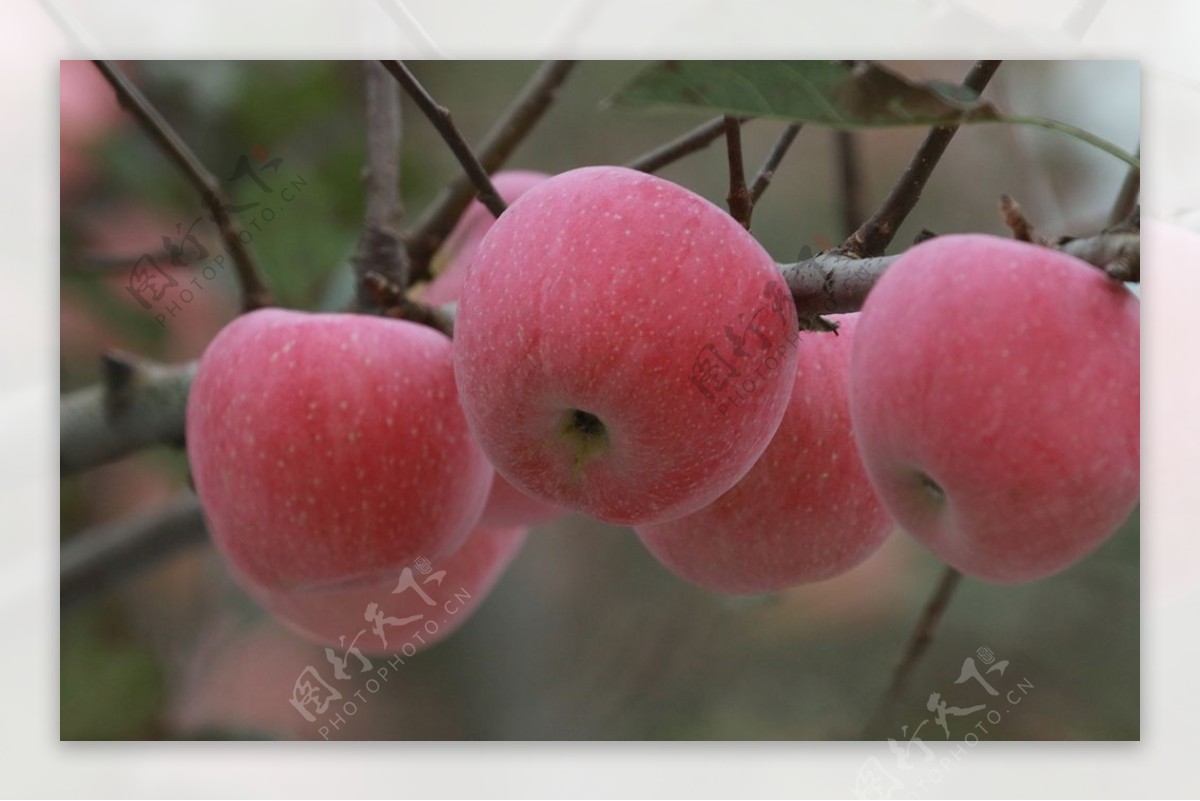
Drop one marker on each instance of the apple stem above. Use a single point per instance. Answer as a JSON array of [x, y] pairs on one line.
[[873, 236], [439, 115], [440, 217], [740, 205]]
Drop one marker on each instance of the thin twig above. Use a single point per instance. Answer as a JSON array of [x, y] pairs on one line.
[[98, 558], [850, 179], [738, 198], [918, 643], [255, 294], [873, 236], [390, 297], [1015, 219], [436, 222], [1127, 196], [380, 249], [696, 139], [767, 171], [439, 115]]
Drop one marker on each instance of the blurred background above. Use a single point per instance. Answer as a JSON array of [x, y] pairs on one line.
[[586, 637]]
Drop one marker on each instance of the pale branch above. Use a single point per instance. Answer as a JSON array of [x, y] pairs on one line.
[[696, 139], [439, 115], [850, 180], [1117, 252], [917, 644], [97, 558], [137, 405], [436, 222], [1127, 196], [738, 198], [254, 291], [380, 249], [873, 236], [834, 283], [767, 171]]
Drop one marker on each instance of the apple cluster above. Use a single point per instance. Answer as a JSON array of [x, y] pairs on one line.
[[623, 348]]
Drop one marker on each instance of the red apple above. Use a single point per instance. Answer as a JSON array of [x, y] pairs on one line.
[[994, 395], [805, 511], [622, 346], [328, 450], [507, 505]]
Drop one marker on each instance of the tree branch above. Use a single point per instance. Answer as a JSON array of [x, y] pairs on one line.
[[738, 198], [834, 283], [767, 171], [873, 236], [696, 139], [138, 404], [439, 115], [850, 180], [255, 294], [509, 130], [1117, 252], [380, 249], [918, 644], [99, 557], [395, 303]]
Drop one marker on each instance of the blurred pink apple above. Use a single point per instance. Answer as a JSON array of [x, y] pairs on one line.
[[805, 511], [404, 611]]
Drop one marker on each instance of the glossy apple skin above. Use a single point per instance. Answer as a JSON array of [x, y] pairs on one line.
[[1008, 375], [506, 505], [328, 449], [805, 511], [587, 321], [339, 617]]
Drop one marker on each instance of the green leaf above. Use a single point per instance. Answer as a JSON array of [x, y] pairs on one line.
[[841, 94], [837, 94]]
